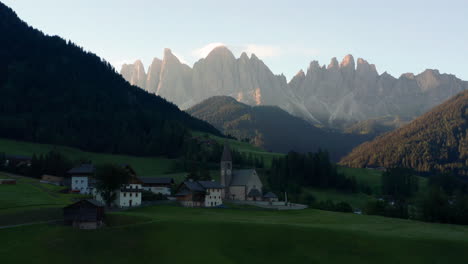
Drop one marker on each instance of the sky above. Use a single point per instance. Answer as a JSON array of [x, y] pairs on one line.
[[397, 36]]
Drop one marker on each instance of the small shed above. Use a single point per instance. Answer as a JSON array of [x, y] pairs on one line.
[[270, 197], [52, 179], [84, 214]]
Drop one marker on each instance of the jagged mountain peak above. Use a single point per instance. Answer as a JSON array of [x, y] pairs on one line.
[[333, 64], [348, 62]]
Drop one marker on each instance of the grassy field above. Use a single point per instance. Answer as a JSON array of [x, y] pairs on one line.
[[165, 234]]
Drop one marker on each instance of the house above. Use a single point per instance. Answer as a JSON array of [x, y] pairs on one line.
[[7, 181], [240, 184], [270, 197], [81, 178], [128, 195], [84, 214], [200, 193], [59, 181], [160, 185]]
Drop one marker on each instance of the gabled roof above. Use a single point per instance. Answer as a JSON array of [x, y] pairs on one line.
[[211, 185], [90, 201], [194, 186], [270, 195], [226, 153], [83, 169], [241, 177], [254, 193], [201, 186], [157, 180]]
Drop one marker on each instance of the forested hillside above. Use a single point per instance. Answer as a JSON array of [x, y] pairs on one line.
[[52, 91], [437, 140], [272, 128]]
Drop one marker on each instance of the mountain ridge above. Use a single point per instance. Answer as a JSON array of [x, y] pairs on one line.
[[438, 140], [272, 128], [336, 95]]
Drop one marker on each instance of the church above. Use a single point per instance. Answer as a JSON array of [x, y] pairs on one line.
[[239, 184]]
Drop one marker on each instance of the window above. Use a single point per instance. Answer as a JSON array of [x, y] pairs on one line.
[[130, 194], [82, 181], [125, 194]]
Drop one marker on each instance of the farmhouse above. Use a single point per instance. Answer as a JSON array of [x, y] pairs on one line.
[[240, 184], [128, 195], [52, 180], [81, 178], [200, 193], [84, 214], [160, 185]]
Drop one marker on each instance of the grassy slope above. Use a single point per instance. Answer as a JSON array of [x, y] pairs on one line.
[[145, 166], [178, 235]]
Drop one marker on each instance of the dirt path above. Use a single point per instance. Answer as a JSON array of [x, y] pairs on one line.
[[28, 224]]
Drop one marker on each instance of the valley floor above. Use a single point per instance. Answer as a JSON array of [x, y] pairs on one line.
[[171, 234]]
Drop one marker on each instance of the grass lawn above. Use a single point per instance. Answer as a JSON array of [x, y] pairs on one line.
[[165, 234]]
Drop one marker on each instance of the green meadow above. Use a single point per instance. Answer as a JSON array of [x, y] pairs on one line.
[[170, 234]]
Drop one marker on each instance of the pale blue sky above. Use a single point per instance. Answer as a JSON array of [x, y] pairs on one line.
[[398, 36]]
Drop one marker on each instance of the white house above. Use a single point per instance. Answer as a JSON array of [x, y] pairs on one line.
[[129, 195], [200, 193], [81, 178], [161, 185]]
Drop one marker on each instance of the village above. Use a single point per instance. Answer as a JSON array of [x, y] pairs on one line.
[[239, 187]]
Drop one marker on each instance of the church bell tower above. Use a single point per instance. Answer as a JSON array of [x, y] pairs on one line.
[[226, 169]]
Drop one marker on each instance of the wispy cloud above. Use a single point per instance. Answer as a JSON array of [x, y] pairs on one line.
[[205, 50]]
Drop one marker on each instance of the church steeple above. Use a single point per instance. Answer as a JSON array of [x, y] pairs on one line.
[[226, 168]]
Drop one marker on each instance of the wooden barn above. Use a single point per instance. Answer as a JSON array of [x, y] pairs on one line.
[[84, 214]]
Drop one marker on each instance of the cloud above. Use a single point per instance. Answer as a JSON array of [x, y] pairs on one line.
[[262, 51], [205, 50], [181, 58]]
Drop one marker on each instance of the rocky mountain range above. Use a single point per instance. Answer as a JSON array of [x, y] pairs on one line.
[[337, 95]]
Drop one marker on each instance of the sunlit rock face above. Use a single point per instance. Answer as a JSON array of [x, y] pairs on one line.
[[338, 94]]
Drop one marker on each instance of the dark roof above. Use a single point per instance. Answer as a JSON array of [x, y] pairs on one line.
[[83, 169], [201, 186], [270, 195], [211, 185], [182, 193], [157, 180], [90, 201], [226, 153], [241, 177], [254, 193], [194, 186]]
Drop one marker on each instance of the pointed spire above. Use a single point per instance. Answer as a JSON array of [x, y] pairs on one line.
[[226, 153]]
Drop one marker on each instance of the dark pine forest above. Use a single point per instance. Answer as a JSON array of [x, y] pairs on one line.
[[52, 91]]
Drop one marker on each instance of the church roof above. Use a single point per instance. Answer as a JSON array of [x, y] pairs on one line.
[[226, 153], [241, 177]]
